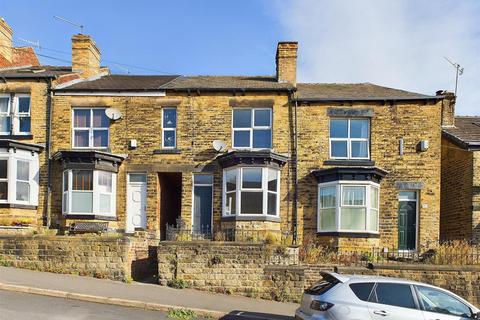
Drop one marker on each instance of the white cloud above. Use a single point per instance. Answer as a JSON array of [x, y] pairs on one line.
[[397, 43]]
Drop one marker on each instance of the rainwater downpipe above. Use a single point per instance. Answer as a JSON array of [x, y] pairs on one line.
[[295, 178], [48, 209]]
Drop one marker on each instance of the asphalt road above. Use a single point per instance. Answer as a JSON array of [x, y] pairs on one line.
[[21, 306]]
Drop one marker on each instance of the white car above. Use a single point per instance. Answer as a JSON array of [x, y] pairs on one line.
[[345, 297]]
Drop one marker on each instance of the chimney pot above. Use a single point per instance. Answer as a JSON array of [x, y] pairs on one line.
[[286, 59]]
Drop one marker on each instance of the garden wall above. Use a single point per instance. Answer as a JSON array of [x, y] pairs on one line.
[[111, 257], [271, 272]]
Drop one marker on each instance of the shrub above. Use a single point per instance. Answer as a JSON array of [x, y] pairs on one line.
[[177, 284], [183, 314]]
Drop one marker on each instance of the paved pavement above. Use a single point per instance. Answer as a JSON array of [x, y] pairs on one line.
[[150, 295], [22, 306]]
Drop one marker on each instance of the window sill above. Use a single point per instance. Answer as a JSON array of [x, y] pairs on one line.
[[349, 162], [89, 217], [250, 218], [17, 136], [17, 205], [167, 151], [348, 234]]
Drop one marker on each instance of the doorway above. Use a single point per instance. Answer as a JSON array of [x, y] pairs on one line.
[[407, 220], [202, 204], [136, 202], [170, 199]]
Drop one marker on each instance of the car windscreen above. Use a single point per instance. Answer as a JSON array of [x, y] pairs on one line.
[[320, 288]]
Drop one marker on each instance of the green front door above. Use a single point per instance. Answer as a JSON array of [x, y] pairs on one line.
[[407, 220]]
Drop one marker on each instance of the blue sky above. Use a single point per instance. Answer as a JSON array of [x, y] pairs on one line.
[[399, 43]]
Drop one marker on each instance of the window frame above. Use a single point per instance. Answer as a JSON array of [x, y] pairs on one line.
[[28, 181], [239, 189], [96, 193], [7, 114], [349, 140], [252, 128], [174, 129], [90, 129], [339, 185], [15, 123]]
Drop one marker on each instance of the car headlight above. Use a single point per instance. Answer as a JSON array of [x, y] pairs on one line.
[[320, 305]]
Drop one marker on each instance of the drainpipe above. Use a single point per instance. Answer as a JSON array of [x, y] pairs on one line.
[[295, 178], [48, 208]]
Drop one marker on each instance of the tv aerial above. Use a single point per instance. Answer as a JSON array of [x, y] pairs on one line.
[[70, 22], [459, 72]]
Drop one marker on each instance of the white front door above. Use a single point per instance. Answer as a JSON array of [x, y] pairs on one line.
[[136, 202]]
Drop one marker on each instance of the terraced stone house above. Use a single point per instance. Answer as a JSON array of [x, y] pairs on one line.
[[460, 205], [350, 165]]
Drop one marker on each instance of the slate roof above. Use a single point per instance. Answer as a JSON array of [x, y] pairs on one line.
[[34, 71], [465, 133], [228, 83], [178, 83], [353, 91], [121, 83]]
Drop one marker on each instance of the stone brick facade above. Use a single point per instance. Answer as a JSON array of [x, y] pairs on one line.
[[204, 106]]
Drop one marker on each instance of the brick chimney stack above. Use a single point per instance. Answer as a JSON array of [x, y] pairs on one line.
[[6, 45], [85, 55], [287, 62], [448, 108]]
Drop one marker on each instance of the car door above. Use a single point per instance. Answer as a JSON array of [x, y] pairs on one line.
[[439, 305], [394, 301]]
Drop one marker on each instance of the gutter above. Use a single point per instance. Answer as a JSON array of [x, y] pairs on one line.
[[435, 98]]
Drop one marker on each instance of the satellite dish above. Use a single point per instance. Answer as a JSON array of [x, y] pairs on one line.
[[219, 145], [113, 113]]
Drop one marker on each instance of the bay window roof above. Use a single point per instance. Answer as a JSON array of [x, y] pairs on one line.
[[373, 174], [89, 160], [262, 157]]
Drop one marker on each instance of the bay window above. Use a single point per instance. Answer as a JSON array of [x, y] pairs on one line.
[[251, 191], [90, 128], [252, 128], [348, 206], [19, 171], [88, 192], [349, 138]]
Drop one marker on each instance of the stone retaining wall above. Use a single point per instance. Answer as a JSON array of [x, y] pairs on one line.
[[110, 257], [256, 270]]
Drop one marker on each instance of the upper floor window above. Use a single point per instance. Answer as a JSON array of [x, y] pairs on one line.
[[90, 128], [251, 191], [350, 138], [349, 207], [169, 128], [252, 128], [15, 114]]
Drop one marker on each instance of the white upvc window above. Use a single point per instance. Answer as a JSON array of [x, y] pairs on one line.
[[15, 116], [169, 128], [252, 128], [251, 191], [89, 192], [349, 138], [90, 128], [19, 177], [348, 206]]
